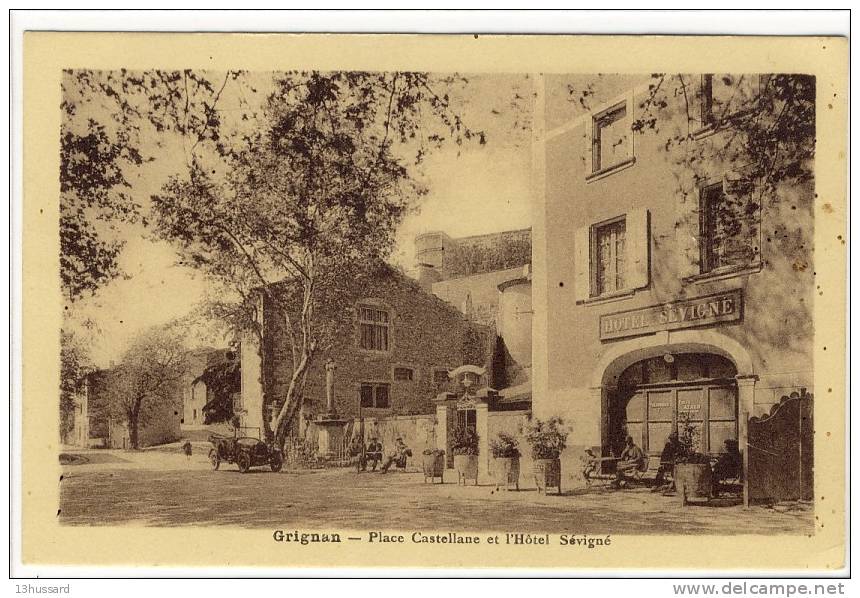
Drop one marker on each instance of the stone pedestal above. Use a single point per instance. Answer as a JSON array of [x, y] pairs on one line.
[[330, 438]]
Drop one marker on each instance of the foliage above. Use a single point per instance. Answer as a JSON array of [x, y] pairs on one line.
[[433, 451], [106, 118], [308, 196], [467, 260], [547, 438], [689, 442], [74, 363], [147, 378], [504, 446], [464, 441], [476, 345]]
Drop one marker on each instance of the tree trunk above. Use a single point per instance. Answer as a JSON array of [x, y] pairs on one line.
[[132, 432], [265, 415]]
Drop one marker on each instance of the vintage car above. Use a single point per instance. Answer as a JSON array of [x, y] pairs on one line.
[[246, 452]]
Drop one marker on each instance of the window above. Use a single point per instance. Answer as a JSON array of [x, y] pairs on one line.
[[728, 228], [725, 95], [612, 257], [403, 374], [610, 138], [440, 377], [374, 396], [194, 416], [609, 257], [373, 325]]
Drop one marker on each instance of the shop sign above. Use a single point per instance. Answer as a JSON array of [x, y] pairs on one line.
[[700, 311]]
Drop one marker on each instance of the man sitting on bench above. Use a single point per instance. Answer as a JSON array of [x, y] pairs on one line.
[[671, 450], [398, 456], [633, 459], [373, 455]]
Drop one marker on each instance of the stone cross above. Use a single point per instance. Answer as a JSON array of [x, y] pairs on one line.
[[329, 386]]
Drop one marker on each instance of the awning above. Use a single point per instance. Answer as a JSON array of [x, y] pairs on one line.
[[520, 393]]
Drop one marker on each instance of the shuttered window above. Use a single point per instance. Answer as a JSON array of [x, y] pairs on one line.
[[612, 256]]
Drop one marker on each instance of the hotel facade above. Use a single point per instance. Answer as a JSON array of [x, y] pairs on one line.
[[664, 288]]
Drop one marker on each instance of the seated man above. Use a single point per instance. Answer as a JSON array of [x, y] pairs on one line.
[[374, 454], [590, 464], [667, 461], [398, 455], [633, 459], [729, 466], [358, 453]]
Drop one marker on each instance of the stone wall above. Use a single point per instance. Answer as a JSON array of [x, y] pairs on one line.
[[425, 335]]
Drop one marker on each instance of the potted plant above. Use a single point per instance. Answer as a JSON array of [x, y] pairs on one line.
[[547, 439], [693, 475], [433, 464], [464, 445], [506, 460]]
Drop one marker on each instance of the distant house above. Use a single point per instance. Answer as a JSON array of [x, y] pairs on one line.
[[213, 389], [392, 342]]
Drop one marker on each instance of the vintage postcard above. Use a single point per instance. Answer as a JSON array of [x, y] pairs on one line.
[[547, 302]]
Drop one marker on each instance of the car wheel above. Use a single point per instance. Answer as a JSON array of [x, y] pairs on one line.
[[243, 460], [214, 459], [276, 462]]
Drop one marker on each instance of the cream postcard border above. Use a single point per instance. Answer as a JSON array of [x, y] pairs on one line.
[[45, 541]]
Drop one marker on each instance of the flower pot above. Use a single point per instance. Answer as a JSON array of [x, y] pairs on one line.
[[433, 466], [547, 474], [467, 468], [507, 472], [693, 481]]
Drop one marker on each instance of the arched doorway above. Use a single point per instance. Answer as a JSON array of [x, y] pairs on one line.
[[654, 393]]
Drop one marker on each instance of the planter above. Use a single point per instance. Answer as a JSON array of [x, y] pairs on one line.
[[693, 481], [467, 468], [547, 474], [433, 466], [507, 472]]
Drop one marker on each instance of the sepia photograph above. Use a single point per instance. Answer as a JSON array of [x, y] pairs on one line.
[[443, 308]]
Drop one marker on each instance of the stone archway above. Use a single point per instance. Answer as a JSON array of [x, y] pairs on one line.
[[618, 357]]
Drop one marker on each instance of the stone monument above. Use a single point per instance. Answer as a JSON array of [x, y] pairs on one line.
[[330, 424]]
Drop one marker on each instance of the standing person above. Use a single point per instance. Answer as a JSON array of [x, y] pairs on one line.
[[633, 459], [186, 448], [374, 454], [398, 454]]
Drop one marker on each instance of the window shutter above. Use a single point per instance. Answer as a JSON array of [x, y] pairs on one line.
[[638, 248], [581, 246], [687, 234]]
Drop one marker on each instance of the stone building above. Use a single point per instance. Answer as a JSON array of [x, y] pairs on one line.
[[393, 345], [653, 302]]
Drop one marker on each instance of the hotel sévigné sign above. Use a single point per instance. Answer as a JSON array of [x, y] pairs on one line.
[[699, 311]]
